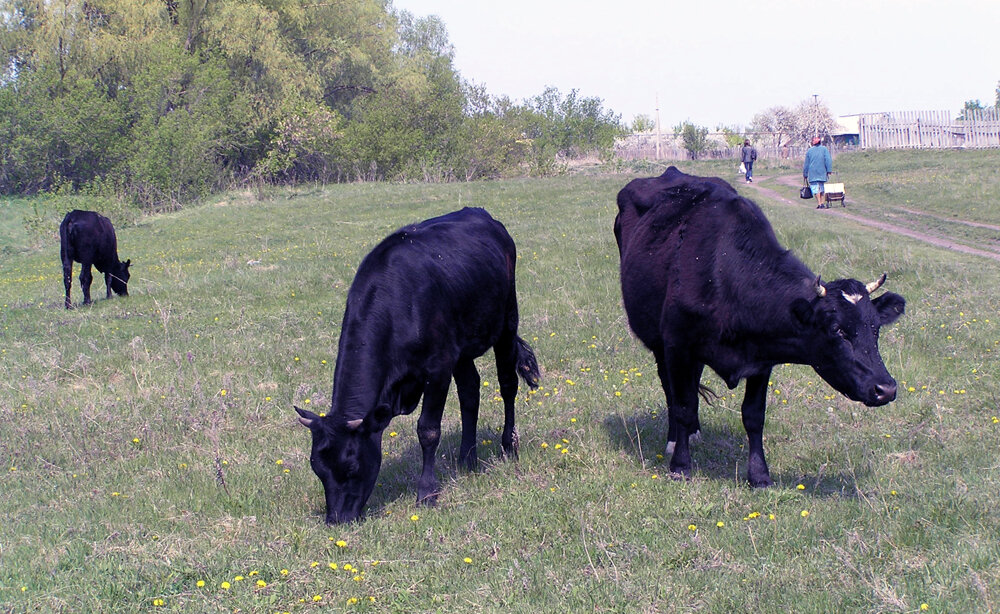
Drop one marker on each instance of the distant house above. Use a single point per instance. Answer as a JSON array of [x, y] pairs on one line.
[[847, 133]]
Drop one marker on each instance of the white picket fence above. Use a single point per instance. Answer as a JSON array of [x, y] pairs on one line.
[[930, 130]]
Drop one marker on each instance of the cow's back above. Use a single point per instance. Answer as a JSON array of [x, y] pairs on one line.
[[449, 279], [692, 255], [86, 236]]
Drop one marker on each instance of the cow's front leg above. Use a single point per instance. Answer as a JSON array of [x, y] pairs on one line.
[[467, 385], [86, 278], [429, 435], [754, 403], [107, 284]]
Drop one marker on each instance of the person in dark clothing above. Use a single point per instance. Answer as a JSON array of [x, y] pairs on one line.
[[747, 156]]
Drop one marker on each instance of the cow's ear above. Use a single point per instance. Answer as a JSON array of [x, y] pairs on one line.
[[128, 262], [307, 418], [378, 419], [803, 311], [890, 306]]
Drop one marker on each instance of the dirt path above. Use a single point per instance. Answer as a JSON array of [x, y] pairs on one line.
[[795, 182]]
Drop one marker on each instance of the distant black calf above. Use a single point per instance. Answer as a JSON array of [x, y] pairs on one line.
[[425, 302], [89, 239]]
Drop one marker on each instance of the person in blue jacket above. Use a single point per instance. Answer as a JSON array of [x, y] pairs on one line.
[[816, 170]]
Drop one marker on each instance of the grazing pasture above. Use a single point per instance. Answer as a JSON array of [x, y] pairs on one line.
[[152, 459]]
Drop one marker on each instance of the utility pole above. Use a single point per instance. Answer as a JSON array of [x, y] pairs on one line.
[[657, 126]]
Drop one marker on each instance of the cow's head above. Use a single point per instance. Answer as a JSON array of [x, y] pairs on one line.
[[843, 323], [119, 278], [346, 456]]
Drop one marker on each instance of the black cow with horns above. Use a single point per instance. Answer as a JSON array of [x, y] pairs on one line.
[[89, 238], [425, 302], [705, 282]]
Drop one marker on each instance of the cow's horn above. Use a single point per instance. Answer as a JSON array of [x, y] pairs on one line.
[[820, 290], [354, 424], [875, 285]]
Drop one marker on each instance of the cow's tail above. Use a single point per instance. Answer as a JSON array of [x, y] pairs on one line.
[[527, 365]]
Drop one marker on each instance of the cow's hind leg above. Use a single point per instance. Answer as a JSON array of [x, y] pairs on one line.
[[86, 278], [680, 378], [467, 384], [429, 435], [754, 403], [67, 264], [506, 355]]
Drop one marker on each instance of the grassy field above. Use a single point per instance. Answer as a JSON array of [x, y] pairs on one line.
[[152, 460]]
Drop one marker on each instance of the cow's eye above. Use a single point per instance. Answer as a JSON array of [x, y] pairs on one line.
[[841, 333]]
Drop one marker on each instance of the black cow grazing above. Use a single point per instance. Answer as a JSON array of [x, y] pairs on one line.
[[425, 302], [705, 282], [89, 238]]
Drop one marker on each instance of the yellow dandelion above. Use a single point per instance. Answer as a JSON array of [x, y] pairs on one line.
[[279, 462], [222, 392], [545, 445], [341, 543], [924, 607], [352, 601], [317, 598], [284, 572], [348, 567], [261, 584], [393, 434], [225, 586], [804, 513], [332, 566], [158, 602], [468, 560], [314, 564], [414, 518], [238, 578], [200, 583], [135, 440], [692, 527]]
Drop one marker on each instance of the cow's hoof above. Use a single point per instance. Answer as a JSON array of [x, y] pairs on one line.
[[430, 500], [760, 482]]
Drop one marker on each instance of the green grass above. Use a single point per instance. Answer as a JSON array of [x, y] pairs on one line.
[[141, 437], [946, 194]]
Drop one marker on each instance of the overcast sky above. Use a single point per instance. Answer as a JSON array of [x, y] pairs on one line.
[[722, 61]]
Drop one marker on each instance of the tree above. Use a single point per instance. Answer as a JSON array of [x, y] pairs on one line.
[[774, 127], [734, 136], [642, 123], [813, 118], [694, 138], [970, 106]]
